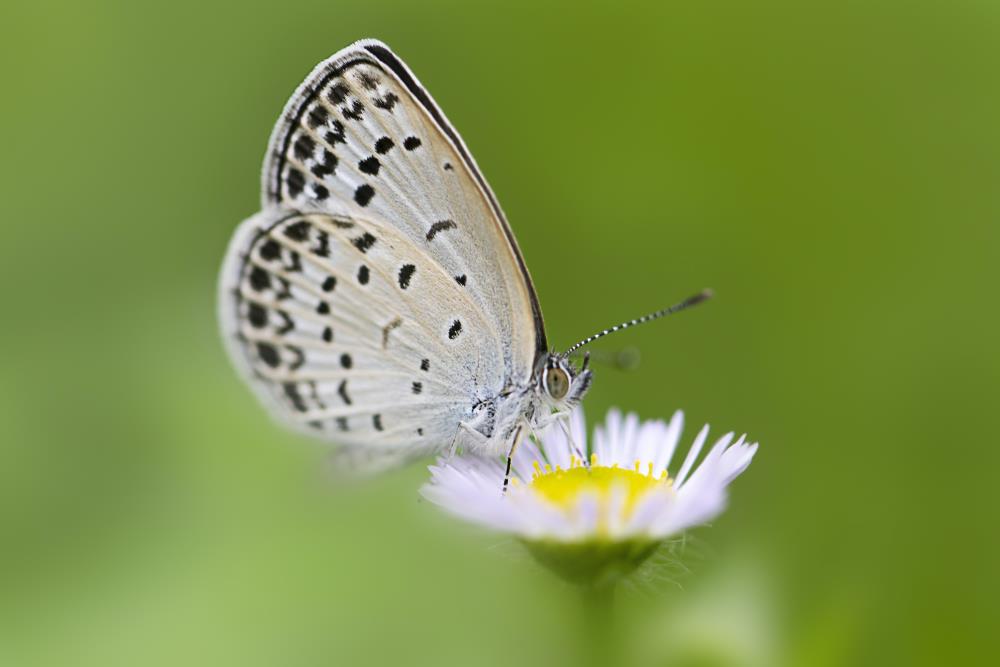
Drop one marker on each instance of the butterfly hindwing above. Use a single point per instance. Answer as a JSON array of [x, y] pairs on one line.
[[349, 332]]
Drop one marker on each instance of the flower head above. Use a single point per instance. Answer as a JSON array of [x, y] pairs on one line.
[[602, 518]]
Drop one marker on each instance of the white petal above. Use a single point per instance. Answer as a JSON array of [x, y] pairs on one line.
[[710, 466], [466, 501], [661, 461], [736, 460], [703, 495], [558, 450], [692, 455], [578, 427], [586, 517], [626, 454], [525, 456], [613, 426], [652, 505], [615, 512], [651, 438]]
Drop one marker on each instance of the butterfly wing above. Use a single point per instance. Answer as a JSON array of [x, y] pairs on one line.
[[329, 317], [362, 131], [379, 294]]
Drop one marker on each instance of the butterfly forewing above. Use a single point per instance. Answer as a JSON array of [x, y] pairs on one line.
[[355, 134], [379, 295]]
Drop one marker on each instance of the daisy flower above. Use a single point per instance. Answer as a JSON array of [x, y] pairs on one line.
[[596, 522]]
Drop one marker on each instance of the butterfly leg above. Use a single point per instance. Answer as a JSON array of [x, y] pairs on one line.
[[563, 419], [510, 457], [470, 433]]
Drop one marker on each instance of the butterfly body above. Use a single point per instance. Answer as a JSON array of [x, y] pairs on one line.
[[379, 299]]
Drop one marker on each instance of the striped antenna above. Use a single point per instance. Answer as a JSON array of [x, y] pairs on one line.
[[703, 295]]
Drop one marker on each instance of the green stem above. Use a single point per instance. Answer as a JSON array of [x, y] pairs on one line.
[[598, 626]]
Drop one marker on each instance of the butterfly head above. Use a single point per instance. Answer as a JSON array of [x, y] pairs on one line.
[[562, 384]]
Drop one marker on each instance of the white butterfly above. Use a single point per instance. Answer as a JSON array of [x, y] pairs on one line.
[[379, 299]]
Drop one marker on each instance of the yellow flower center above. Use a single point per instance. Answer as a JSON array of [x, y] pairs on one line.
[[564, 487], [599, 557]]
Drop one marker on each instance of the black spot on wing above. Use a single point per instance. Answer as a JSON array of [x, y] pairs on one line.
[[461, 279], [353, 111], [363, 274], [257, 314], [342, 423], [455, 329], [383, 145], [298, 231], [364, 194], [259, 279], [323, 308], [270, 250], [386, 102], [303, 147], [367, 79], [299, 357], [440, 226], [329, 283], [320, 192], [318, 116], [425, 364], [296, 181], [268, 354], [287, 324], [322, 248], [326, 166], [328, 334], [346, 361], [417, 387], [377, 421], [294, 397], [294, 263], [370, 165], [335, 135], [284, 290], [364, 242], [405, 273], [338, 93], [342, 391], [411, 143]]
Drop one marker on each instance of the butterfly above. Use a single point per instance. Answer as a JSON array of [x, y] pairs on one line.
[[379, 298]]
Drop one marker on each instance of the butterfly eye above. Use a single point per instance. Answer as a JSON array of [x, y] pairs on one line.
[[556, 383]]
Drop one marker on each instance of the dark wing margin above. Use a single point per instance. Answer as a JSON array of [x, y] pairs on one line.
[[384, 57]]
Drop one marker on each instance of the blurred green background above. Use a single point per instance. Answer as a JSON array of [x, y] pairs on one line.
[[830, 168]]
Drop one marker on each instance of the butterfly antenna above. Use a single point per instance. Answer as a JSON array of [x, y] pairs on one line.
[[703, 295]]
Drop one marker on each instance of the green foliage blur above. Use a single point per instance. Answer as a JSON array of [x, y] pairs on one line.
[[831, 169]]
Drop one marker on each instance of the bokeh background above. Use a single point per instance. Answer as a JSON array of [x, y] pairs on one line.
[[830, 168]]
